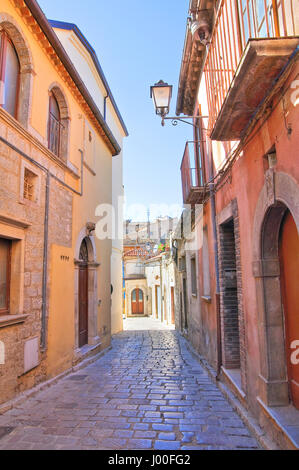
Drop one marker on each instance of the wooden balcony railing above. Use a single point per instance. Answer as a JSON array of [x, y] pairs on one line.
[[192, 176], [236, 22]]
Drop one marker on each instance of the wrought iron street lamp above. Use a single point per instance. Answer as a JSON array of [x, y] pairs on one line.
[[161, 94]]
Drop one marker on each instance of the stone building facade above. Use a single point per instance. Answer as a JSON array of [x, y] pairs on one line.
[[243, 93], [55, 289]]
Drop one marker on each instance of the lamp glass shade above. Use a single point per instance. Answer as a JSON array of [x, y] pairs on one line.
[[161, 94]]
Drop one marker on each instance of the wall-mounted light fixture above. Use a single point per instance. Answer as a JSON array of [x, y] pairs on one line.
[[161, 94]]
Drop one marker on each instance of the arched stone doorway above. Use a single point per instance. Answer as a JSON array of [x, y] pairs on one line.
[[275, 226], [137, 302], [86, 291]]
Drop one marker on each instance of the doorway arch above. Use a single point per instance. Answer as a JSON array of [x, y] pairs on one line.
[[137, 302], [86, 291], [277, 204]]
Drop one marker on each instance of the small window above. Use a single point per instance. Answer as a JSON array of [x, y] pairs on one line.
[[55, 126], [206, 264], [182, 264], [5, 255], [193, 277], [30, 180], [9, 75]]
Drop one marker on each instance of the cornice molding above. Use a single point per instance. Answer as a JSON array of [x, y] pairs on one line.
[[17, 126], [38, 24]]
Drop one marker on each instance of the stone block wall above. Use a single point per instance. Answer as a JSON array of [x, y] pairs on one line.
[[26, 227]]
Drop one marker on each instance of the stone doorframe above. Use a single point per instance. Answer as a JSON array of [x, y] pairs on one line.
[[129, 291], [280, 192], [92, 266], [231, 213]]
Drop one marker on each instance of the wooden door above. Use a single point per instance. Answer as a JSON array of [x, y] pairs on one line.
[[137, 302], [172, 305], [289, 262], [83, 305]]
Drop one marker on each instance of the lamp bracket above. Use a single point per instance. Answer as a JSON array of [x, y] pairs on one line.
[[175, 120]]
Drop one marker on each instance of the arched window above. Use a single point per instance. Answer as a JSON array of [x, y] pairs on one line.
[[55, 126], [9, 75], [58, 123]]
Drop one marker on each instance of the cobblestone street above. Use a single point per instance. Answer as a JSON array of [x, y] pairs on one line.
[[147, 392]]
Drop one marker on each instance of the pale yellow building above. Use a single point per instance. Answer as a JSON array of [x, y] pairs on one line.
[[57, 145]]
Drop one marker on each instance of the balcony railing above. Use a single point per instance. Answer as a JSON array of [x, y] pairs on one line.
[[236, 22], [193, 179]]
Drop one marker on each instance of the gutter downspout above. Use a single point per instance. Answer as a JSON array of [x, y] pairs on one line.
[[105, 106], [45, 265], [217, 294], [215, 244]]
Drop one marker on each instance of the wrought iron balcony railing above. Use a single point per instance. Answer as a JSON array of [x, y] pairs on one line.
[[193, 179]]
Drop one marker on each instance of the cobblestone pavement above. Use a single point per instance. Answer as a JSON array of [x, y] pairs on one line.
[[145, 323], [148, 392]]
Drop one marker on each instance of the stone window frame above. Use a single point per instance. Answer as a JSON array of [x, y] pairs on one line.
[[206, 282], [25, 165], [193, 275], [4, 310], [14, 229], [12, 28], [64, 138]]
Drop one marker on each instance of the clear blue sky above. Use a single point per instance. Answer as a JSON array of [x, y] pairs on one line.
[[138, 43]]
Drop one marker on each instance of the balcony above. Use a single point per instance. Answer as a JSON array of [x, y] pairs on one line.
[[250, 45], [193, 178]]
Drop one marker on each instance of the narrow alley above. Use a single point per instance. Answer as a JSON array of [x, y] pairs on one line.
[[147, 392]]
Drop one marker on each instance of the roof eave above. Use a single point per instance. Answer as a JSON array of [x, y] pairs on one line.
[[90, 49], [45, 26], [193, 60]]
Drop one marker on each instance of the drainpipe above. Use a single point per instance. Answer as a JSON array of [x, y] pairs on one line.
[[217, 295], [105, 106], [215, 244], [45, 265]]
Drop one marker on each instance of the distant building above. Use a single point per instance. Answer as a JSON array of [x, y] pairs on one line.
[[149, 270]]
